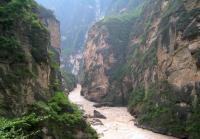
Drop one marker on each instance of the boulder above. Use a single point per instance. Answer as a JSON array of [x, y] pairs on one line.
[[98, 115]]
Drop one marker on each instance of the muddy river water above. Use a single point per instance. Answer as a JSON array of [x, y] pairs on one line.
[[119, 124]]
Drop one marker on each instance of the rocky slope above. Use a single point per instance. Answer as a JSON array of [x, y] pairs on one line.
[[32, 104], [148, 58]]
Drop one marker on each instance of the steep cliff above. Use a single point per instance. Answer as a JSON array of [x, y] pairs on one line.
[[31, 102], [52, 24], [54, 29], [105, 56], [25, 69], [148, 58]]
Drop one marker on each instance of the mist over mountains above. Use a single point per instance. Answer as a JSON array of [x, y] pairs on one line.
[[75, 17]]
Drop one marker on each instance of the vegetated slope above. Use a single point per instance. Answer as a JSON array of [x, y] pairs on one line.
[[148, 59], [31, 102], [117, 7]]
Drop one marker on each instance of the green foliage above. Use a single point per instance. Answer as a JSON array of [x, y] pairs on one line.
[[54, 62], [17, 19], [127, 16], [173, 6], [19, 128], [39, 39], [54, 58], [17, 22], [137, 96], [143, 60], [187, 26], [23, 42], [149, 58], [58, 114], [11, 50], [120, 72], [69, 78], [129, 5], [61, 110], [193, 124], [184, 23], [157, 108], [143, 39], [119, 31]]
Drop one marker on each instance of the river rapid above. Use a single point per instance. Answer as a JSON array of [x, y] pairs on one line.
[[119, 124]]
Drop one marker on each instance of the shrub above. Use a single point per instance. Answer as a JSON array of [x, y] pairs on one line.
[[59, 115]]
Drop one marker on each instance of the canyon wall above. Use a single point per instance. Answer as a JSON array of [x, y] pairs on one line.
[[26, 66], [32, 104], [148, 59]]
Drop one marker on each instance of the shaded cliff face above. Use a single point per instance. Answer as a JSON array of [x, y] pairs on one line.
[[27, 73], [149, 59]]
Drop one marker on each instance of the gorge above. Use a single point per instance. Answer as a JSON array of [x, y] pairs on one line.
[[136, 63]]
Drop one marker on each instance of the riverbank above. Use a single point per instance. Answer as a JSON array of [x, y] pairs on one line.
[[119, 124]]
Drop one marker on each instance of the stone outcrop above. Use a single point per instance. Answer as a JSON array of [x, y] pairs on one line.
[[149, 61]]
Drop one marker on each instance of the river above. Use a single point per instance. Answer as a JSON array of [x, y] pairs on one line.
[[119, 124]]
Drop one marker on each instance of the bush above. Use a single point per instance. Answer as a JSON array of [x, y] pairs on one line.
[[59, 115]]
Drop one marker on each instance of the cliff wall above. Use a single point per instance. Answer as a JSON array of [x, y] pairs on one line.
[[32, 104], [148, 59], [25, 62]]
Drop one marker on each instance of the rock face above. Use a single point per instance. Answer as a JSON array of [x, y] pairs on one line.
[[149, 59], [54, 29], [53, 26], [27, 73]]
